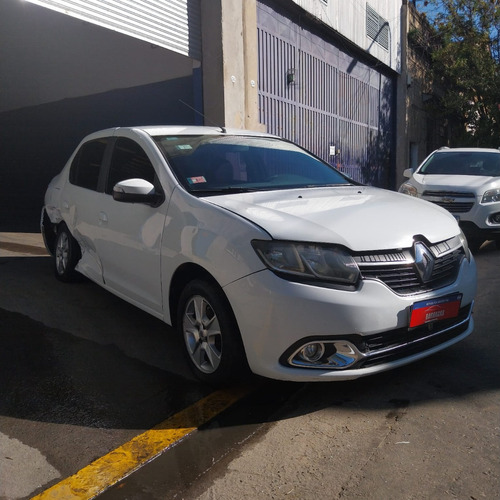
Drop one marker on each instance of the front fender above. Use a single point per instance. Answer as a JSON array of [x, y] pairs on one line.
[[209, 236]]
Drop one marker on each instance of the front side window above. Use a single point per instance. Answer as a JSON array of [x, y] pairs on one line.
[[87, 163], [129, 161], [481, 163], [229, 163]]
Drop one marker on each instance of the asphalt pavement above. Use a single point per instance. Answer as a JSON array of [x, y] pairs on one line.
[[83, 374]]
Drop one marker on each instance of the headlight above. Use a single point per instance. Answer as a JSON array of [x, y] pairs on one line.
[[327, 263], [407, 188], [491, 196], [465, 244]]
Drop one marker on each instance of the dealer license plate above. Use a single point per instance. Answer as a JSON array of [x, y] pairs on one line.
[[427, 311]]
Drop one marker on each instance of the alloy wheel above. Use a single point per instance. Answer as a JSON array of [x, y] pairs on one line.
[[62, 253], [202, 334]]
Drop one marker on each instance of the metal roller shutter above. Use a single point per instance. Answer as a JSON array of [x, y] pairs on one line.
[[315, 93], [172, 24]]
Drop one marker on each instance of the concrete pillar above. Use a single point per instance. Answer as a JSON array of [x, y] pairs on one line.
[[230, 63], [402, 146]]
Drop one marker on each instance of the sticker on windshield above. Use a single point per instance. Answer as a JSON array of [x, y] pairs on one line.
[[197, 180]]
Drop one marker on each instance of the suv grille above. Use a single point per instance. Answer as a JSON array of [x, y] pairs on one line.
[[399, 271], [448, 200]]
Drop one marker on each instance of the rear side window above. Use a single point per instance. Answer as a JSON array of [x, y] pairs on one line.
[[86, 165], [129, 161]]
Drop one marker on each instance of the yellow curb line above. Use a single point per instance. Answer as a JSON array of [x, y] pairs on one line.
[[124, 460]]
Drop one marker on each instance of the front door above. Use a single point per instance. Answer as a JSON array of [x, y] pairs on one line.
[[131, 233]]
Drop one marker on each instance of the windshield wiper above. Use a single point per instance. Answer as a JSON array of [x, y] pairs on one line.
[[224, 190], [327, 185]]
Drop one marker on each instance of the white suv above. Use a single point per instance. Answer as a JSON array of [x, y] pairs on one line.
[[465, 181]]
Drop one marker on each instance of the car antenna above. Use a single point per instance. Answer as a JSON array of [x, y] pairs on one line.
[[223, 129]]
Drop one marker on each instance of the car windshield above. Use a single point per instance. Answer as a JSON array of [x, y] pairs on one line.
[[463, 163], [209, 164]]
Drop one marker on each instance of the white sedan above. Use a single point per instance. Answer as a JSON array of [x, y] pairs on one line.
[[263, 257]]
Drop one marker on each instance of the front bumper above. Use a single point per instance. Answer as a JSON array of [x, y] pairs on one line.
[[276, 316]]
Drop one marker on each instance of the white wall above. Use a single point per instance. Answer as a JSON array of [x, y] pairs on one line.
[[348, 17]]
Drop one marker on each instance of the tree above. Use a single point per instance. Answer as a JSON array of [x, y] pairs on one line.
[[466, 68]]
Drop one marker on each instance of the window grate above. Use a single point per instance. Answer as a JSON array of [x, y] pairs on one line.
[[377, 28]]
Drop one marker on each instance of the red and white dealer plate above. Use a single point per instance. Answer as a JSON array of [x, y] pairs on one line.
[[438, 309]]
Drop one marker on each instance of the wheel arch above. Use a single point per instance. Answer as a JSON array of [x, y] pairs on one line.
[[49, 232], [234, 364], [182, 276]]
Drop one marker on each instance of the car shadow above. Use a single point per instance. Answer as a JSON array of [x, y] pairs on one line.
[[77, 354], [82, 369]]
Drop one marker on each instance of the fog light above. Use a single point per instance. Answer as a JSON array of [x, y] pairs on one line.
[[312, 352], [325, 355], [495, 218]]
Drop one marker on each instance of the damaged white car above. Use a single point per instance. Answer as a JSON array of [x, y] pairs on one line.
[[263, 257]]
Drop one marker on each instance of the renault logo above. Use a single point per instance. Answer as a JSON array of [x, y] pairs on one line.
[[424, 261]]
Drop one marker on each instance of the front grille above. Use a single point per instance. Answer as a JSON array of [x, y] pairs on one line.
[[454, 206], [399, 271], [402, 336], [451, 194], [403, 342], [448, 200]]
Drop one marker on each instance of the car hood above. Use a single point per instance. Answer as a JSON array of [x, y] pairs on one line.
[[361, 218], [472, 183]]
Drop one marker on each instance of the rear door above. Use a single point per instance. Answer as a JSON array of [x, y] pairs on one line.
[[80, 201]]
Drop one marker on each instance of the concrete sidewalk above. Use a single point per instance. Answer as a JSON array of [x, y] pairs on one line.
[[22, 245]]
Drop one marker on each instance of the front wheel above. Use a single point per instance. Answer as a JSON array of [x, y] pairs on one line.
[[211, 336], [66, 256]]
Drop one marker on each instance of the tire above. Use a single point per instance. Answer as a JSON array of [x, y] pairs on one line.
[[67, 253], [211, 336]]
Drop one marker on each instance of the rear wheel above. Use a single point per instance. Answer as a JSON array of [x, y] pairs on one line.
[[211, 336], [66, 255]]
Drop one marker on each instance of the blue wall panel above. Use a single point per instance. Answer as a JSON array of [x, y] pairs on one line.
[[312, 91]]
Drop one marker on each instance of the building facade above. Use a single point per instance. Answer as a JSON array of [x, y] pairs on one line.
[[327, 94], [419, 133], [321, 73]]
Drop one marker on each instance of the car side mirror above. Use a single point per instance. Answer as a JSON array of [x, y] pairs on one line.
[[408, 173], [137, 191]]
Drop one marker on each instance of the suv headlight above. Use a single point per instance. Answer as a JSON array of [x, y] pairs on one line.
[[491, 196], [308, 261], [407, 188]]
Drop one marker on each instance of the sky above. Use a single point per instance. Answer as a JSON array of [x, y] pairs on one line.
[[427, 7]]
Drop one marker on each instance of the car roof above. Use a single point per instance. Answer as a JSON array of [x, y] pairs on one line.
[[467, 150], [155, 130]]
